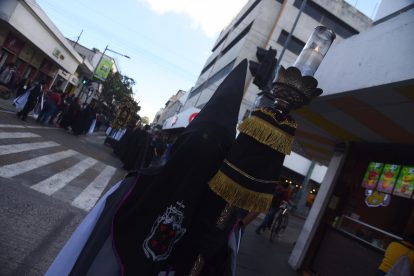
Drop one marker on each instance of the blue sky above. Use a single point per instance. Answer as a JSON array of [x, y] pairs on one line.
[[168, 40]]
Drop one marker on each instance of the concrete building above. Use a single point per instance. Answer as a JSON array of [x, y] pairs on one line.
[[31, 40], [267, 23], [361, 124], [171, 108]]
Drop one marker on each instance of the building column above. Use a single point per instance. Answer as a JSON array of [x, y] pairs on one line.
[[318, 208], [303, 193]]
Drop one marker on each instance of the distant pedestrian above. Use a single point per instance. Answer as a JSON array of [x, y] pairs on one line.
[[71, 115], [9, 76], [51, 106], [22, 87], [280, 194], [36, 91]]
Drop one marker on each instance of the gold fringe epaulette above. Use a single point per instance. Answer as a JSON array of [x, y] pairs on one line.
[[288, 122], [239, 196], [267, 134]]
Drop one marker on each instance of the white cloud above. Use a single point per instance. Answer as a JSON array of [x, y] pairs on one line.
[[209, 15]]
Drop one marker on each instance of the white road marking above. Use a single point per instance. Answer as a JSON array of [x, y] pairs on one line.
[[11, 126], [56, 182], [31, 164], [26, 126], [8, 135], [87, 199], [15, 148]]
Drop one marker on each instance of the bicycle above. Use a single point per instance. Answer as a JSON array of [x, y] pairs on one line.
[[280, 222]]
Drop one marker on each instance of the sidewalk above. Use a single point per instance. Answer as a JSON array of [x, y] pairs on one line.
[[7, 105], [258, 256]]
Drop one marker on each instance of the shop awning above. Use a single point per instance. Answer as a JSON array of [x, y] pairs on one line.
[[182, 119], [368, 83]]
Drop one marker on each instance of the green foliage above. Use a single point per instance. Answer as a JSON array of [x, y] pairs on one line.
[[145, 120], [117, 88]]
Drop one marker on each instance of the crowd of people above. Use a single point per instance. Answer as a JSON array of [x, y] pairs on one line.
[[141, 147], [58, 108]]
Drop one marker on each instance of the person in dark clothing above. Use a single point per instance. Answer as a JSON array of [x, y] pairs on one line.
[[156, 150], [121, 148], [35, 93], [82, 124], [135, 158], [71, 115], [22, 87]]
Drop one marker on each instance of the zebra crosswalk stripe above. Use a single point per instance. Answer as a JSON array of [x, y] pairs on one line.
[[57, 181], [10, 126], [87, 199], [31, 164], [7, 135], [16, 148]]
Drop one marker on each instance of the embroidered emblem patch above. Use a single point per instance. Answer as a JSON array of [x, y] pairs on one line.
[[165, 232]]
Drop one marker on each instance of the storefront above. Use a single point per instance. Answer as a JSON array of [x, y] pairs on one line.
[[30, 41], [372, 205], [362, 129]]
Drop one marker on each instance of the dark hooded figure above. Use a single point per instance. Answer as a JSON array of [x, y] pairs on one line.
[[134, 158], [85, 119], [71, 115], [36, 92], [158, 221], [121, 147]]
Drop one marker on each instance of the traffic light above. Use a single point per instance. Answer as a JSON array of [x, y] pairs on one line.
[[263, 70]]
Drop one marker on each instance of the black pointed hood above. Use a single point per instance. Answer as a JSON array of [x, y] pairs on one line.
[[224, 106]]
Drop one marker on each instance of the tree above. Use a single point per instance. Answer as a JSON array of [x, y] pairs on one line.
[[117, 87], [145, 120]]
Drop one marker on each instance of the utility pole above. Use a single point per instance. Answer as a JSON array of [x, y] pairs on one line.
[[77, 40]]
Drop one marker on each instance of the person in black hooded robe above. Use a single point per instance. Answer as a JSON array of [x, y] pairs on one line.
[[155, 219], [121, 147], [134, 158], [71, 115]]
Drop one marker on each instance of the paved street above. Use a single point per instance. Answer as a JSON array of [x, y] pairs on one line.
[[49, 179]]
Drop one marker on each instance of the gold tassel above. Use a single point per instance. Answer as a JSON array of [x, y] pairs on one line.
[[267, 134], [239, 196]]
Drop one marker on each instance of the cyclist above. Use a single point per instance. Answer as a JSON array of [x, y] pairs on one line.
[[281, 194]]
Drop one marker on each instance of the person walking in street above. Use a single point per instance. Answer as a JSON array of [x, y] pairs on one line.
[[22, 87], [35, 93], [71, 115], [279, 196], [51, 106]]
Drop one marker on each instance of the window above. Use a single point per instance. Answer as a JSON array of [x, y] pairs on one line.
[[295, 45], [208, 65], [221, 41], [245, 14], [327, 19], [237, 38], [218, 75]]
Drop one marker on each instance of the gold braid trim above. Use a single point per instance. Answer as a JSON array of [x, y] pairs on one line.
[[248, 175], [267, 134], [284, 122], [239, 196]]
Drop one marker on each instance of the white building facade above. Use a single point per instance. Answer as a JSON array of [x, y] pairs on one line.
[[29, 39], [267, 23]]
